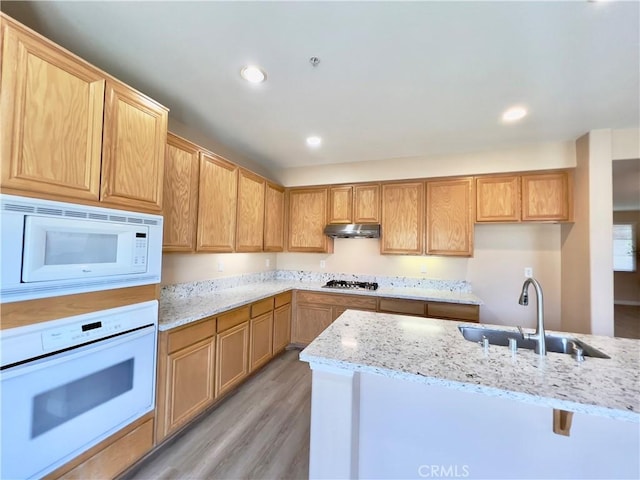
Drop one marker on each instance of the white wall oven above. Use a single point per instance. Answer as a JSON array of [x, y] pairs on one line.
[[55, 248], [68, 384]]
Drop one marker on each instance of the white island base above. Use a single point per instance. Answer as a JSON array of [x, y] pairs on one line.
[[371, 426]]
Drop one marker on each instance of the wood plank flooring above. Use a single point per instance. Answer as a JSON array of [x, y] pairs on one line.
[[259, 432], [627, 321]]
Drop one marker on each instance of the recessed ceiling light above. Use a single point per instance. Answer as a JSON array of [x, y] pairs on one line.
[[514, 114], [253, 74], [314, 141]]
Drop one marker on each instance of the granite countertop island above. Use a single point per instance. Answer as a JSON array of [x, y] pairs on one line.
[[189, 304], [433, 351]]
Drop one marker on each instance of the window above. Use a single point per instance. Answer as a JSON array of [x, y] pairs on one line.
[[624, 247]]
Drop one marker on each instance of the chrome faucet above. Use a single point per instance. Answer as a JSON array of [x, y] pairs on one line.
[[524, 300]]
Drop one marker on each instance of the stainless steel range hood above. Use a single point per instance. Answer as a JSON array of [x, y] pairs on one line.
[[352, 230]]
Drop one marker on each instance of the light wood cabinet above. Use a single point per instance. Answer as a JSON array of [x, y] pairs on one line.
[[308, 208], [217, 199], [180, 196], [69, 131], [402, 218], [260, 340], [51, 109], [133, 148], [420, 308], [186, 364], [250, 218], [449, 217], [281, 328], [402, 306], [547, 197], [498, 198], [273, 218], [341, 204], [232, 361], [354, 204]]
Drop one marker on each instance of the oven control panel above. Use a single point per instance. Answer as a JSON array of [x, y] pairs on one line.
[[63, 337]]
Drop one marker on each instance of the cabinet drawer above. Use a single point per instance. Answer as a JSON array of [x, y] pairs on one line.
[[261, 307], [232, 318], [411, 307], [191, 334], [454, 311], [283, 299], [346, 300]]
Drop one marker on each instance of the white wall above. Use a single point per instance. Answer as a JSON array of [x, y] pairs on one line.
[[191, 267]]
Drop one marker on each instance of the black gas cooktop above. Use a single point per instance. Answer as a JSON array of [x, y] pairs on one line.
[[344, 284]]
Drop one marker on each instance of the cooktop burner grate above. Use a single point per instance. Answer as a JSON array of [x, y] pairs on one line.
[[344, 284]]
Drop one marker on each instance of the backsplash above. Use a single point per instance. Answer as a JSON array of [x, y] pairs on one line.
[[183, 290]]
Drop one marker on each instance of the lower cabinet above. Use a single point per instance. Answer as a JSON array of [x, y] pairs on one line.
[[232, 364], [260, 340]]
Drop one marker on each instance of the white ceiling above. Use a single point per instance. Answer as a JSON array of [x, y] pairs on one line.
[[396, 79]]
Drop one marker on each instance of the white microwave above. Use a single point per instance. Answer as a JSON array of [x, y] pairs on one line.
[[54, 248]]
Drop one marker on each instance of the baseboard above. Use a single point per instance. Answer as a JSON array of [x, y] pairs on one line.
[[626, 302]]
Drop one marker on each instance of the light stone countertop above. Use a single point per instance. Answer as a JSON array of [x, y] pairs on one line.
[[433, 351], [175, 312]]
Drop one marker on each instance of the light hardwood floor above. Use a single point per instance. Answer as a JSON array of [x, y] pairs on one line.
[[259, 432], [627, 321]]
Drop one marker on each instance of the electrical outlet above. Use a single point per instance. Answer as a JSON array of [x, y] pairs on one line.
[[267, 262], [323, 264], [528, 272], [423, 268], [220, 266]]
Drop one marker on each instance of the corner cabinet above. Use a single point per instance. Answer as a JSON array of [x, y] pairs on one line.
[[402, 218], [217, 199], [308, 213], [250, 218], [133, 148], [70, 132], [449, 217], [180, 196], [273, 218]]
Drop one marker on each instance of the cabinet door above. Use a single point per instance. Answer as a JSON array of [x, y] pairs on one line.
[[190, 374], [250, 220], [273, 218], [341, 205], [498, 199], [133, 149], [307, 219], [260, 340], [405, 307], [547, 197], [402, 218], [232, 362], [450, 214], [217, 198], [366, 204], [51, 106], [310, 321], [180, 196], [281, 328]]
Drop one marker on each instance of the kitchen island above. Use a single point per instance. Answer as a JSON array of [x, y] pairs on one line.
[[404, 397]]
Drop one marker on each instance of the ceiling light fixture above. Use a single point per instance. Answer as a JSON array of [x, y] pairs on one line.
[[253, 74], [314, 141], [514, 114]]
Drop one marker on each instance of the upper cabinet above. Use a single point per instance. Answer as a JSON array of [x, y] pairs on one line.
[[308, 208], [449, 217], [180, 196], [547, 197], [51, 106], [250, 220], [55, 143], [354, 204], [498, 198], [402, 218], [273, 218], [217, 199], [133, 148], [531, 197]]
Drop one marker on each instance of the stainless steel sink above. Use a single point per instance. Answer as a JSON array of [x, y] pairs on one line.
[[554, 343]]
